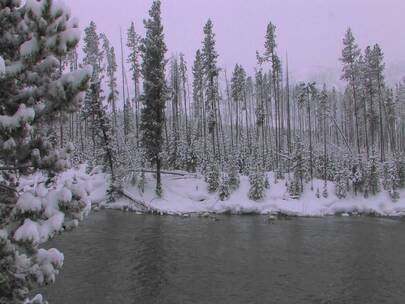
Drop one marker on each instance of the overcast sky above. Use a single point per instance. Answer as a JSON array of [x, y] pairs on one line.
[[310, 30]]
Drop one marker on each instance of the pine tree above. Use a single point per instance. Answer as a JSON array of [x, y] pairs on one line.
[[341, 180], [373, 177], [266, 182], [394, 182], [234, 179], [33, 90], [224, 187], [299, 168], [93, 56], [212, 175], [134, 45], [153, 99], [357, 175], [111, 71], [257, 184], [101, 129], [325, 190], [377, 69], [209, 57], [238, 97], [308, 95], [256, 178], [198, 99], [350, 58]]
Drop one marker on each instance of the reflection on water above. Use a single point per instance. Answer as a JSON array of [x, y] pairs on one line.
[[124, 258]]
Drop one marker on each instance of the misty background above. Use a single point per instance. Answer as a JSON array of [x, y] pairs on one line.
[[310, 31]]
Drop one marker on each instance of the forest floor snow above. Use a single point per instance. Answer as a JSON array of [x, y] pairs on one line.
[[189, 195]]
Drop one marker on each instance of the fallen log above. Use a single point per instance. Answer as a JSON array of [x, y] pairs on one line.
[[141, 204], [163, 172]]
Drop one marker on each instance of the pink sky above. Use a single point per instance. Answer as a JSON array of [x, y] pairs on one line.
[[310, 30]]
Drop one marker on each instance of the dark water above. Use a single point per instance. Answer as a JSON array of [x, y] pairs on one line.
[[124, 258]]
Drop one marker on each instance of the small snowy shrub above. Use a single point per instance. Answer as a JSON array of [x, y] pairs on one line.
[[224, 189]]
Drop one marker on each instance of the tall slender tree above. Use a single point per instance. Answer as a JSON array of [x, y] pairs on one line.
[[134, 44], [153, 98], [210, 56], [350, 58]]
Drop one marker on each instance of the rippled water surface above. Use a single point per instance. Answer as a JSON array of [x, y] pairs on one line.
[[124, 258]]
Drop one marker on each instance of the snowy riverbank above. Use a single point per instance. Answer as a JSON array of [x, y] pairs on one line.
[[186, 195]]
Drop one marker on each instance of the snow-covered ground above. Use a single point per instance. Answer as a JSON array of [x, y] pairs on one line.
[[184, 195]]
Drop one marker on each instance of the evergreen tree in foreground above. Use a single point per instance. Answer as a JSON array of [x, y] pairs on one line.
[[153, 70], [33, 94]]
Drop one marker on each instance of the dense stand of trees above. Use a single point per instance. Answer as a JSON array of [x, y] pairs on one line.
[[212, 120], [194, 117]]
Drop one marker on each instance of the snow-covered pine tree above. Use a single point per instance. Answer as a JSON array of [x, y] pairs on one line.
[[134, 44], [238, 92], [325, 190], [209, 58], [212, 175], [153, 99], [224, 190], [351, 70], [386, 175], [199, 114], [111, 70], [298, 165], [106, 149], [391, 178], [307, 96], [104, 144], [399, 163], [175, 136], [33, 38], [93, 56], [377, 70], [341, 180], [373, 176], [357, 175], [233, 173], [257, 184], [266, 181], [256, 178]]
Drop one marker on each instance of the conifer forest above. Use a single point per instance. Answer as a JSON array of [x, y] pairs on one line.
[[88, 125]]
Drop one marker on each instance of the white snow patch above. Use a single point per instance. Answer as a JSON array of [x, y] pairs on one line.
[[189, 195], [28, 232], [28, 202], [24, 114], [29, 48], [49, 261]]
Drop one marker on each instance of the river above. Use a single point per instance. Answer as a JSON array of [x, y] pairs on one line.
[[123, 258]]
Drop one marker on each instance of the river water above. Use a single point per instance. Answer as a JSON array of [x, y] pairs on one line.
[[123, 258]]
